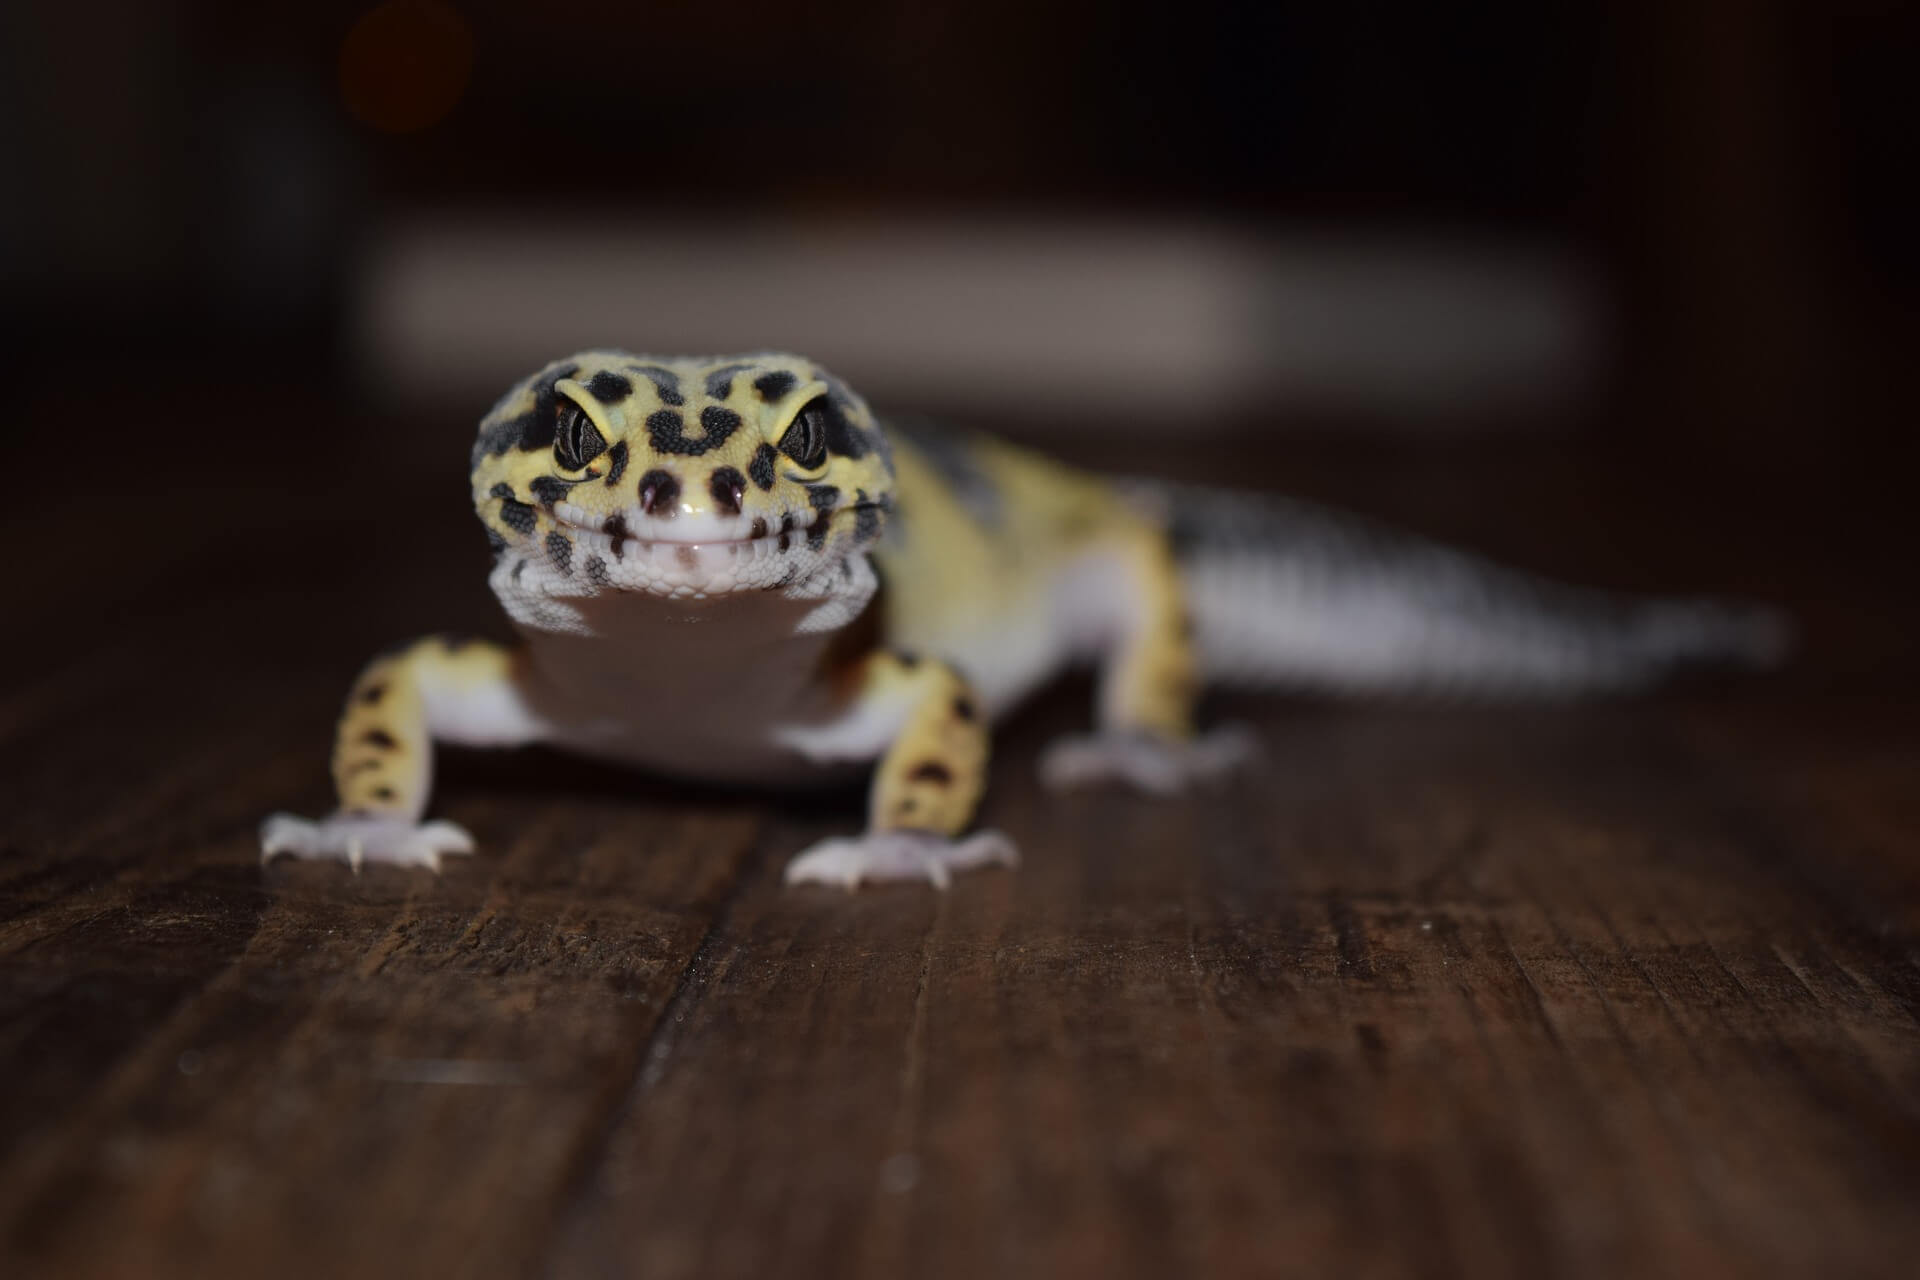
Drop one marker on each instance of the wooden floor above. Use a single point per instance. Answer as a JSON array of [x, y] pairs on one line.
[[1618, 990]]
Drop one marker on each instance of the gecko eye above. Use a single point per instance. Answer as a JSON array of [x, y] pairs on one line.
[[576, 441], [806, 438]]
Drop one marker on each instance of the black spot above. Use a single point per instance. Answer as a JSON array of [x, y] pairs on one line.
[[817, 531], [496, 438], [495, 542], [963, 709], [516, 515], [665, 381], [667, 431], [371, 695], [379, 738], [727, 487], [536, 430], [866, 522], [501, 490], [560, 551], [659, 490], [785, 542], [616, 463], [761, 468], [759, 527], [608, 387], [720, 381], [907, 658], [931, 771], [597, 572], [772, 386], [383, 793], [547, 490], [955, 457], [824, 497], [519, 567], [843, 438], [616, 528], [786, 522]]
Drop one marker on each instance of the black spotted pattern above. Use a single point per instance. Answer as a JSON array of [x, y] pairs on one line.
[[665, 382], [931, 771], [530, 430], [609, 387], [616, 463], [547, 490], [560, 551], [516, 515], [597, 572], [727, 488], [379, 738], [761, 468], [616, 528], [824, 497], [843, 438], [667, 430], [771, 386], [866, 520], [720, 381]]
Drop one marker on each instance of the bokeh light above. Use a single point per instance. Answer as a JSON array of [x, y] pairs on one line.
[[405, 64]]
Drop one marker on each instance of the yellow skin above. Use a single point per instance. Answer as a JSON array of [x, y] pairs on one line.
[[673, 535]]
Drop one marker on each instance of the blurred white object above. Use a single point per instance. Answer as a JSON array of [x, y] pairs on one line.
[[1092, 322]]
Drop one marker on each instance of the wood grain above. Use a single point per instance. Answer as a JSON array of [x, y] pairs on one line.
[[1617, 989]]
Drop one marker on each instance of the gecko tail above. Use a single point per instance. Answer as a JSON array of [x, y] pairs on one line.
[[1286, 594]]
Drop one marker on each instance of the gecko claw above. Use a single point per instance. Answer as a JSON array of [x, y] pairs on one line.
[[878, 856], [359, 839], [1154, 765]]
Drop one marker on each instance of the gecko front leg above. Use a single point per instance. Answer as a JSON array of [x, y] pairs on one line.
[[924, 721], [434, 689]]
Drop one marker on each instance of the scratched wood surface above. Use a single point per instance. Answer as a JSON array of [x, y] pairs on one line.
[[1623, 989]]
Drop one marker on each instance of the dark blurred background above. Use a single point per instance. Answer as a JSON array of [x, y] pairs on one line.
[[1662, 238]]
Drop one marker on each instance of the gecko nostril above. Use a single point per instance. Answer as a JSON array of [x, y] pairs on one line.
[[727, 487], [658, 493]]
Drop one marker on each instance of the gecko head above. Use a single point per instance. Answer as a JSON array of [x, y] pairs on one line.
[[607, 472]]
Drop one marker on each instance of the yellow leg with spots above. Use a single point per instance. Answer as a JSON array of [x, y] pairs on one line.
[[1148, 686], [927, 784], [434, 689]]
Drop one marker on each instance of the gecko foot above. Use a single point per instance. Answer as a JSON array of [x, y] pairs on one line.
[[357, 838], [846, 861], [1156, 765]]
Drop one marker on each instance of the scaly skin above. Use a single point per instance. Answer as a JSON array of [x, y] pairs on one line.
[[694, 552]]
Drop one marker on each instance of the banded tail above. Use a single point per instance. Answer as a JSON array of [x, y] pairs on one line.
[[1287, 594]]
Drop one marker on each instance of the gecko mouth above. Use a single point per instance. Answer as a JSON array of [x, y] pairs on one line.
[[613, 557]]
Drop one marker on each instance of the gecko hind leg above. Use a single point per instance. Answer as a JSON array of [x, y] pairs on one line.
[[1146, 762], [880, 856]]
